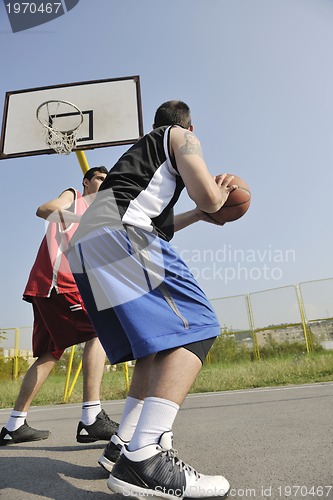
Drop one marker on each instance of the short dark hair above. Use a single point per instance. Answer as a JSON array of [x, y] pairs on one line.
[[173, 113], [91, 172]]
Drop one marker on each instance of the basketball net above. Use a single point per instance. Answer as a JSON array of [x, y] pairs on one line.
[[55, 115]]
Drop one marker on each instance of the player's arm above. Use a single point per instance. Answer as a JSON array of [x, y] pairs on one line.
[[57, 210], [187, 218], [208, 192]]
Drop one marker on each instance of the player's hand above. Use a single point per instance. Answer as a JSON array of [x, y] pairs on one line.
[[204, 216], [224, 182]]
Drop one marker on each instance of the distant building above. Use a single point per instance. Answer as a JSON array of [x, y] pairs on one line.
[[280, 334], [322, 331]]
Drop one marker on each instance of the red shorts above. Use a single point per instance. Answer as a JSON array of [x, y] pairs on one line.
[[60, 321]]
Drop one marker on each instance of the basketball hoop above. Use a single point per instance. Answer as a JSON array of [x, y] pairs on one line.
[[61, 121]]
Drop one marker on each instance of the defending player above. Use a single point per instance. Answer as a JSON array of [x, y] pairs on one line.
[[60, 321]]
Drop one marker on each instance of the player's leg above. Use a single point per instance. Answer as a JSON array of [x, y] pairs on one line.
[[33, 381], [93, 362], [131, 413], [68, 324], [135, 399], [95, 424], [17, 430], [172, 374], [161, 380], [149, 465]]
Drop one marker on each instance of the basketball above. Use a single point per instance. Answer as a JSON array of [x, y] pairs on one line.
[[237, 204]]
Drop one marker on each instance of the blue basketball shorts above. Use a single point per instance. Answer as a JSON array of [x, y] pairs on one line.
[[140, 295]]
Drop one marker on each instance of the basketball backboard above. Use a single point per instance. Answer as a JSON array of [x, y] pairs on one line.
[[111, 110]]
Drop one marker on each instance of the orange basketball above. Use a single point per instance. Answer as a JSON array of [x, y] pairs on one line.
[[237, 204]]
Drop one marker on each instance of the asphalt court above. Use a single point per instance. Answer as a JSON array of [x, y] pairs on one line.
[[271, 443]]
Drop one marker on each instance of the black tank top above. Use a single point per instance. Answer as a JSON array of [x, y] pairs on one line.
[[140, 190]]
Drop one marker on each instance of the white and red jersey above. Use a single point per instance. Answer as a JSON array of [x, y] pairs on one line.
[[51, 268]]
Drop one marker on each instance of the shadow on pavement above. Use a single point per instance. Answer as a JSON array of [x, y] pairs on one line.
[[52, 478]]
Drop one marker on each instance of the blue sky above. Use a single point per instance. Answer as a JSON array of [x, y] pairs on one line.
[[258, 77]]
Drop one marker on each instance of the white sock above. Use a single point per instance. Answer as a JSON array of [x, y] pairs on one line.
[[90, 410], [157, 416], [15, 420], [129, 418]]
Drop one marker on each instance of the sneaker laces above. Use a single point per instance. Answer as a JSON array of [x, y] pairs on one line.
[[172, 456], [106, 416]]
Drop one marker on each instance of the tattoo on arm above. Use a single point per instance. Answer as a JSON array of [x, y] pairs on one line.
[[192, 145]]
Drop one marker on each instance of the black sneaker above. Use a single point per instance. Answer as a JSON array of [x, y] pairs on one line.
[[23, 434], [102, 429], [155, 470], [111, 453]]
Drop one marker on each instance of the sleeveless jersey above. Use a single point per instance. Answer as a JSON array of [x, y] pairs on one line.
[[51, 268], [140, 190]]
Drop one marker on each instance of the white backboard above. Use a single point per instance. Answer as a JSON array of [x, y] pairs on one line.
[[111, 111]]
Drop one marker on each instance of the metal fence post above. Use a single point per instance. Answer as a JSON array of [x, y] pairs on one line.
[[251, 322], [308, 344]]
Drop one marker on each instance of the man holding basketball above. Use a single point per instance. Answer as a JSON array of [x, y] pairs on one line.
[[145, 304], [60, 321]]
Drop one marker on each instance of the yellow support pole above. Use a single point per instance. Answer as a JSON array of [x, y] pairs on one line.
[[126, 375], [76, 376], [16, 353], [68, 373], [82, 161]]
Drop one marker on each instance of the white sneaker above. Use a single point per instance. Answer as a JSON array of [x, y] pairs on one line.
[[155, 470], [111, 452]]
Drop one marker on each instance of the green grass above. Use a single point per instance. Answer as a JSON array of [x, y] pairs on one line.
[[265, 373], [222, 376]]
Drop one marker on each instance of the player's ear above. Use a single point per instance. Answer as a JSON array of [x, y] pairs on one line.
[[191, 128]]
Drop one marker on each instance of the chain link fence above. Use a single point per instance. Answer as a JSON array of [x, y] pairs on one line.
[[295, 315]]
